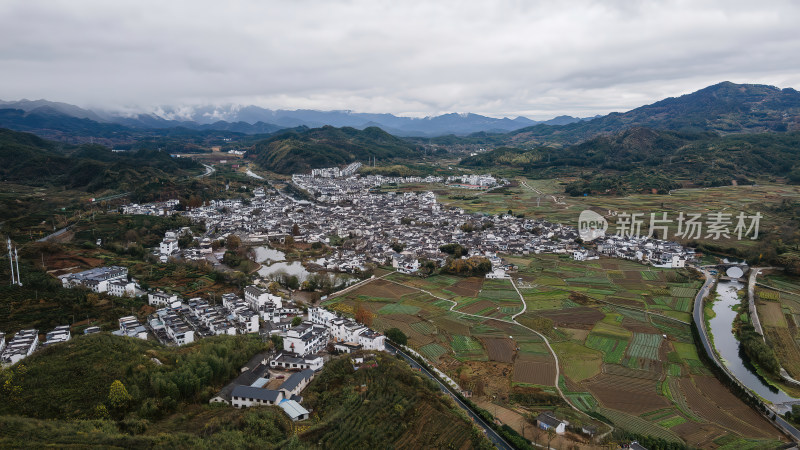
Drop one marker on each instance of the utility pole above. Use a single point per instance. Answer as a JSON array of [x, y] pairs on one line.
[[11, 260], [19, 280]]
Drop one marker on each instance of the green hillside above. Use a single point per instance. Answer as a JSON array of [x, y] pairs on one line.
[[723, 108], [30, 160], [642, 159], [298, 151], [61, 396], [70, 380]]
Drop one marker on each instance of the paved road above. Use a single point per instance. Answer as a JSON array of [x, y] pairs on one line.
[[698, 315], [57, 233], [250, 173], [495, 438], [209, 171]]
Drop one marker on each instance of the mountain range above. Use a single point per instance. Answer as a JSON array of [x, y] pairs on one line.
[[724, 108], [28, 115]]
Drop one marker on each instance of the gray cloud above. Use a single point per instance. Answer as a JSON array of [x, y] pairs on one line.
[[537, 59]]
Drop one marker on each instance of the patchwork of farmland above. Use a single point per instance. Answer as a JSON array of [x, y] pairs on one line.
[[605, 320]]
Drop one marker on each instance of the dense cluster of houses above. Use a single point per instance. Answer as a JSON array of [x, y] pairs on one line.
[[474, 181], [335, 172], [346, 207], [131, 327], [336, 190], [110, 279], [169, 245], [301, 355], [25, 342], [164, 208], [346, 331]]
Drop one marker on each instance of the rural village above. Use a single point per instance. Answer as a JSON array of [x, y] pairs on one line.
[[401, 230]]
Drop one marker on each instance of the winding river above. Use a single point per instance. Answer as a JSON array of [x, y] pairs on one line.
[[728, 347]]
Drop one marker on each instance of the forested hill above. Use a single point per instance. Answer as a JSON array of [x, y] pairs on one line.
[[724, 108], [298, 151], [162, 401], [642, 159], [28, 159]]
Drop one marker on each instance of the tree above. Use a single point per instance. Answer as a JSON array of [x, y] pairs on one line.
[[363, 315], [11, 382], [295, 230], [297, 320], [118, 396], [457, 250], [233, 242], [470, 267], [397, 246], [101, 412], [292, 282], [397, 335], [467, 227], [551, 433]]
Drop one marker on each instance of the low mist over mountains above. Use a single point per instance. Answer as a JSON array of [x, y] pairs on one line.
[[724, 108], [256, 120]]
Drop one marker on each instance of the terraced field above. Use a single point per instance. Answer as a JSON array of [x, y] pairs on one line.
[[639, 425], [613, 348], [645, 346], [604, 319], [779, 316]]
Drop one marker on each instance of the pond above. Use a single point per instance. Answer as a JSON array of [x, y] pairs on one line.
[[274, 262], [268, 255], [290, 268], [721, 328]]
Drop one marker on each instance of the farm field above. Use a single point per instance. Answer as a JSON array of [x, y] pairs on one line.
[[764, 198], [606, 320], [779, 310]]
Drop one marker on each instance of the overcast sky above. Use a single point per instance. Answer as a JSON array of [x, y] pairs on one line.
[[500, 58]]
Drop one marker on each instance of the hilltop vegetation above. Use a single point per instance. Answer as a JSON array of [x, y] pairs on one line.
[[357, 406], [643, 159], [30, 160], [723, 108], [72, 380], [63, 396], [300, 151]]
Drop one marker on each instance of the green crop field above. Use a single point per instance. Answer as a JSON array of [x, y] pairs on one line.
[[638, 425], [672, 421], [645, 346], [683, 291], [613, 348], [499, 294], [649, 276], [432, 351], [583, 400], [674, 370], [425, 328], [398, 308], [686, 351], [464, 343]]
